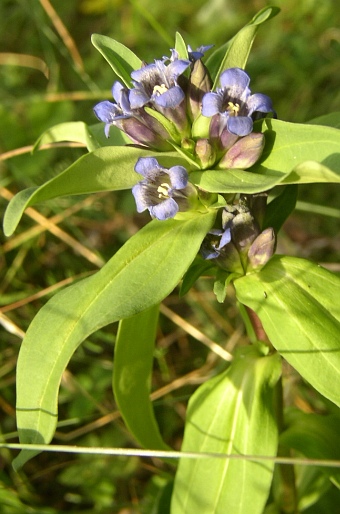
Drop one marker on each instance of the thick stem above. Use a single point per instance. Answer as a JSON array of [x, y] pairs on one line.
[[257, 325]]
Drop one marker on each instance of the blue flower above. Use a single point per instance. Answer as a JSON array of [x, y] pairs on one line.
[[136, 123], [111, 113], [157, 83], [235, 104], [194, 55], [164, 191]]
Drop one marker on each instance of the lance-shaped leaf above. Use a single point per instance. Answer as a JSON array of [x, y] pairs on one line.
[[141, 274], [107, 169], [230, 414], [235, 181], [290, 145], [92, 137], [132, 368], [297, 302], [236, 51], [121, 59], [181, 47]]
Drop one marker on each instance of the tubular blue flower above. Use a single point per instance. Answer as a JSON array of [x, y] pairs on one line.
[[136, 123], [157, 83], [164, 191], [235, 104], [111, 113]]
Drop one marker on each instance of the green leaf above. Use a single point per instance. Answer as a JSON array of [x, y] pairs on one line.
[[92, 136], [107, 169], [121, 59], [141, 274], [134, 350], [297, 302], [116, 137], [330, 120], [76, 131], [280, 208], [197, 268], [235, 53], [181, 47], [315, 436], [230, 414], [298, 148], [235, 181]]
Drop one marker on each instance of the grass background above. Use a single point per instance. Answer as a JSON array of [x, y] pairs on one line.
[[295, 60]]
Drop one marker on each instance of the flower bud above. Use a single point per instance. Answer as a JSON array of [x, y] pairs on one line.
[[261, 249], [142, 134], [199, 84], [257, 205], [244, 153], [244, 230], [205, 153]]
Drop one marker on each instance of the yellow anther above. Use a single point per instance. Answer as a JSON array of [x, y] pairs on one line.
[[233, 109], [163, 190], [159, 90]]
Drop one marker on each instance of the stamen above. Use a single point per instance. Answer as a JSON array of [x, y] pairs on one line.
[[233, 109], [163, 190], [159, 90]]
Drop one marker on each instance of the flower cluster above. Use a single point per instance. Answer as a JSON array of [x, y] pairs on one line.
[[171, 106], [240, 246], [169, 95]]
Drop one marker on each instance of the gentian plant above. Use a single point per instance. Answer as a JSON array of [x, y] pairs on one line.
[[218, 172]]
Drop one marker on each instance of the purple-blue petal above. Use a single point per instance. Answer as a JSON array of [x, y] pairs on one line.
[[145, 73], [139, 192], [236, 81], [164, 210], [171, 98], [105, 111], [176, 68], [209, 253], [117, 91], [259, 102], [148, 167], [225, 239], [211, 104], [240, 125], [178, 177], [138, 98]]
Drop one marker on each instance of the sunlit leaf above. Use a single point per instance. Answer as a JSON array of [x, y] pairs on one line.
[[235, 53], [181, 47], [76, 131], [141, 274], [235, 181], [106, 169], [230, 414], [298, 148], [297, 302], [121, 59]]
